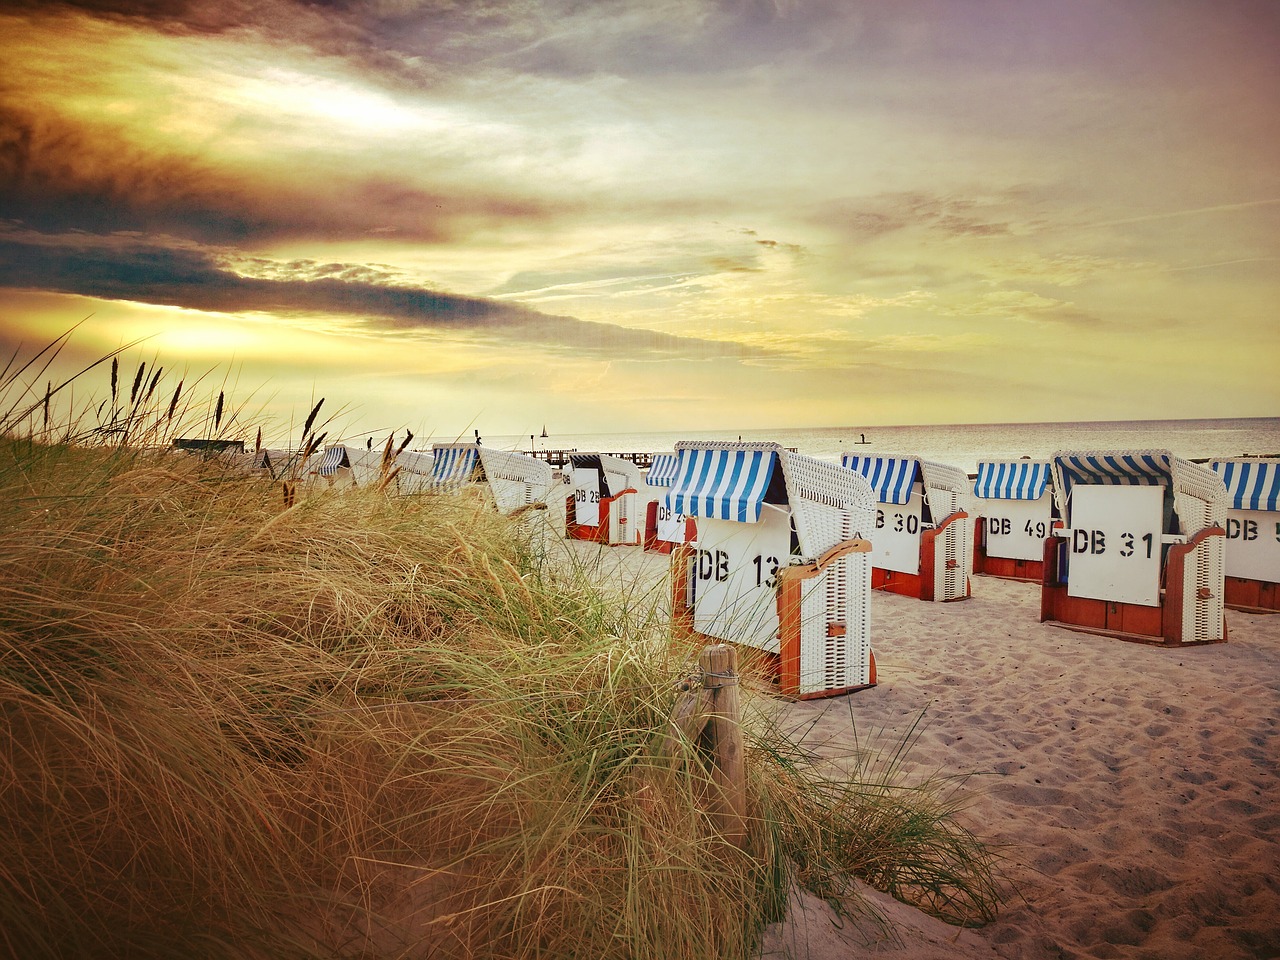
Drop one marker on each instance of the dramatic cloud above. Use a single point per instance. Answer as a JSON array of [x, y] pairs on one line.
[[559, 201], [56, 176], [122, 268]]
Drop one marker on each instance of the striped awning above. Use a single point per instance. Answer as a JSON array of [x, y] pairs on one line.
[[591, 461], [721, 484], [334, 459], [453, 465], [890, 477], [1011, 479], [662, 470], [1251, 484], [1146, 468]]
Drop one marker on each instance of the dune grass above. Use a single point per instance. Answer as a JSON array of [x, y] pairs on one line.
[[373, 726]]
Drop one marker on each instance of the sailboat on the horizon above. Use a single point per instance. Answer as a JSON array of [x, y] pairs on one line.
[[544, 430]]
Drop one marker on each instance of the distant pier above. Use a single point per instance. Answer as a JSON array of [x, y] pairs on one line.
[[560, 458]]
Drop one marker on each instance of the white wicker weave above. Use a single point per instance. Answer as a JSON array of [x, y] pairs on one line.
[[831, 505], [516, 479], [948, 490]]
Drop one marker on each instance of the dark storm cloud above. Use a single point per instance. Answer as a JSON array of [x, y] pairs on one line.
[[55, 176], [124, 268]]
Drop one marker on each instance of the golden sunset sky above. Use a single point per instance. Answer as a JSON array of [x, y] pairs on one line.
[[657, 214]]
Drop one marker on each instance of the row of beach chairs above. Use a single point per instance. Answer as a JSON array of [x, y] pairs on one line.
[[779, 552]]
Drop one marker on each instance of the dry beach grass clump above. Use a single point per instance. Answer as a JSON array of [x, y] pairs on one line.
[[376, 726]]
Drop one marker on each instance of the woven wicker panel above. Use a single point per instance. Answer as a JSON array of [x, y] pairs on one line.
[[954, 562], [515, 479], [826, 501], [944, 477], [622, 520], [841, 595], [1202, 615]]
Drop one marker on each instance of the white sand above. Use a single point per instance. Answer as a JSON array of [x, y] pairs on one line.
[[1133, 789]]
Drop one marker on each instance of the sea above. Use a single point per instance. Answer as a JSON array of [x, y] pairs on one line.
[[959, 445]]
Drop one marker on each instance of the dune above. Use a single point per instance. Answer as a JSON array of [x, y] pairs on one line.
[[1132, 790]]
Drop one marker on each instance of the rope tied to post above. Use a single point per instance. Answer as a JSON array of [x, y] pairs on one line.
[[727, 679]]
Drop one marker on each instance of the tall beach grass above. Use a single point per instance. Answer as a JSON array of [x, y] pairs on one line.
[[374, 726]]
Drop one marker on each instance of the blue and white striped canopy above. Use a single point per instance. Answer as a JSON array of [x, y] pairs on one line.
[[721, 484], [890, 477], [1251, 484], [453, 464], [334, 459], [1149, 468], [662, 470], [1011, 479]]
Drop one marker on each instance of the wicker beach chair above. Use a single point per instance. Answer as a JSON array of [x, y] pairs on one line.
[[780, 564], [603, 501], [1253, 532], [413, 471], [341, 466], [923, 535], [1141, 555], [663, 529], [516, 481], [1015, 511]]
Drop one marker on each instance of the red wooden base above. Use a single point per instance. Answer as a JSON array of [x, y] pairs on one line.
[[1009, 569], [891, 581], [781, 669], [1252, 596], [651, 542], [771, 668], [594, 532], [1005, 567], [1160, 624]]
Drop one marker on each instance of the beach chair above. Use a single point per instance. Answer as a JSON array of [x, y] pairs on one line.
[[413, 470], [1015, 511], [341, 466], [516, 482], [922, 533], [1141, 555], [781, 562], [603, 501], [1253, 532], [269, 461], [663, 530]]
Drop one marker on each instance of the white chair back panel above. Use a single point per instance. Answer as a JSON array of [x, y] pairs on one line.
[[1115, 543], [1253, 545], [586, 496], [1017, 529], [734, 577], [895, 540]]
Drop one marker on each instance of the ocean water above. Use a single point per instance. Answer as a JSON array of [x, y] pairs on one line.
[[960, 445]]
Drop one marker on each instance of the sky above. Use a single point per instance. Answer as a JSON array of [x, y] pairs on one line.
[[603, 216]]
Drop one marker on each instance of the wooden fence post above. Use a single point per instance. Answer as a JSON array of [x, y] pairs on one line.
[[719, 665]]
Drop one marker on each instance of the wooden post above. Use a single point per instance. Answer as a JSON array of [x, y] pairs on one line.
[[719, 665], [681, 610]]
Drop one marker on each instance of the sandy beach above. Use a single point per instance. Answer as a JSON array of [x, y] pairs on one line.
[[1132, 789]]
